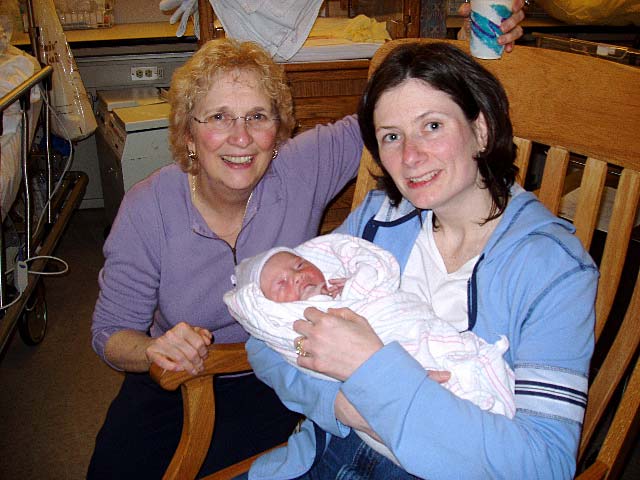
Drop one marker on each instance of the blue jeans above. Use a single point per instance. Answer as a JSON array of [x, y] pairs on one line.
[[351, 459]]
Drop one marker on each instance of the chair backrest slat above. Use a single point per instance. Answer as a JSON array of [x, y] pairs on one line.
[[588, 207], [367, 172], [523, 157], [555, 171], [615, 250]]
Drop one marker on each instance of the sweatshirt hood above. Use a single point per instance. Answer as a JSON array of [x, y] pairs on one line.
[[524, 215]]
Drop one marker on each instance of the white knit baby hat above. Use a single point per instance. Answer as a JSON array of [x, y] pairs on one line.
[[249, 269]]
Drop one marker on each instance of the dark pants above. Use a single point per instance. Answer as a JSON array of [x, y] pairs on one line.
[[144, 423]]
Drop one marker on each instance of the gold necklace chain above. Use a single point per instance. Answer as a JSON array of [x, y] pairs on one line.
[[194, 196]]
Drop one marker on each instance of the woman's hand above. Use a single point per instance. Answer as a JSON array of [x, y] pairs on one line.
[[510, 27], [335, 343], [183, 348]]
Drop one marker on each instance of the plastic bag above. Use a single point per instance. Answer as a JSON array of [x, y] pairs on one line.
[[593, 12], [73, 117]]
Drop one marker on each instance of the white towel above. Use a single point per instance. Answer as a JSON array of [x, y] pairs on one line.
[[280, 26], [15, 68]]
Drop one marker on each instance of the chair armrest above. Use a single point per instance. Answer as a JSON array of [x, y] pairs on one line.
[[223, 358], [198, 405], [236, 469], [597, 471]]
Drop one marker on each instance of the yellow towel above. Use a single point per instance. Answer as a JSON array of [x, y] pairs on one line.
[[364, 29]]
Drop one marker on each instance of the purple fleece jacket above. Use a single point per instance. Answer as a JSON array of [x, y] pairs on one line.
[[164, 265]]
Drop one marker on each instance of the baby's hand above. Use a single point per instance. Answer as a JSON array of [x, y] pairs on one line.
[[335, 286]]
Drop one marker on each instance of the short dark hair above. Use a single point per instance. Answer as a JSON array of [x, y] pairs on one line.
[[473, 88]]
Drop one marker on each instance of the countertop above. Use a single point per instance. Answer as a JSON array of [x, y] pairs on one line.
[[165, 32], [127, 32]]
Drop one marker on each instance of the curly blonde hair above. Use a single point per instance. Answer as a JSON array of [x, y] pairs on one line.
[[192, 81]]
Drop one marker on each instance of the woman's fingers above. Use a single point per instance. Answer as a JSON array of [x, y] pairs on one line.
[[182, 348], [511, 28], [464, 10], [335, 343]]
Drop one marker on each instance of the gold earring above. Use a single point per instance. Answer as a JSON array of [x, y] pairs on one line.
[[193, 160]]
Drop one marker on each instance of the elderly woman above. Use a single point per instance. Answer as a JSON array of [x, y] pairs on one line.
[[488, 256], [238, 187]]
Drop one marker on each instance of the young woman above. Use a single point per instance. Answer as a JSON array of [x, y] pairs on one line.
[[488, 256]]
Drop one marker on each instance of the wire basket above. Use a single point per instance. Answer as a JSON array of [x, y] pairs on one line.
[[85, 14]]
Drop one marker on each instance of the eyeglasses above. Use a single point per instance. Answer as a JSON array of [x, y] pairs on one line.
[[221, 121]]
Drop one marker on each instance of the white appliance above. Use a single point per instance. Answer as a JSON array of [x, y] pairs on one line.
[[131, 140], [120, 67]]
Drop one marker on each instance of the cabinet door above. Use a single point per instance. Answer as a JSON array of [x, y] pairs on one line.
[[327, 91]]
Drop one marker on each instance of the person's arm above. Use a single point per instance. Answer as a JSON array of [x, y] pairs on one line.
[[300, 392], [128, 298], [183, 348], [327, 157], [420, 421]]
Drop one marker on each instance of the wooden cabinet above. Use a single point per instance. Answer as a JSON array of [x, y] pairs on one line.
[[324, 92]]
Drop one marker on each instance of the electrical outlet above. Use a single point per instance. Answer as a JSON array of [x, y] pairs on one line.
[[146, 73]]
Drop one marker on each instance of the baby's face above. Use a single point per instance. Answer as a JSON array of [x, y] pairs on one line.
[[287, 278]]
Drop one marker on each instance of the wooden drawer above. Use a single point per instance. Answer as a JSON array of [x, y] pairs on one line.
[[312, 111], [327, 78]]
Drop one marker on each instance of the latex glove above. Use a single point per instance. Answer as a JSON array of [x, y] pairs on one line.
[[183, 10]]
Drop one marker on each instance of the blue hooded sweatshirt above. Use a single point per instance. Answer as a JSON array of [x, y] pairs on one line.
[[533, 283]]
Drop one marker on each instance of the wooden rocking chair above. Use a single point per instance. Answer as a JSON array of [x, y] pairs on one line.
[[578, 107]]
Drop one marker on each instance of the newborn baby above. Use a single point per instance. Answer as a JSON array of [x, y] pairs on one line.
[[274, 288]]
